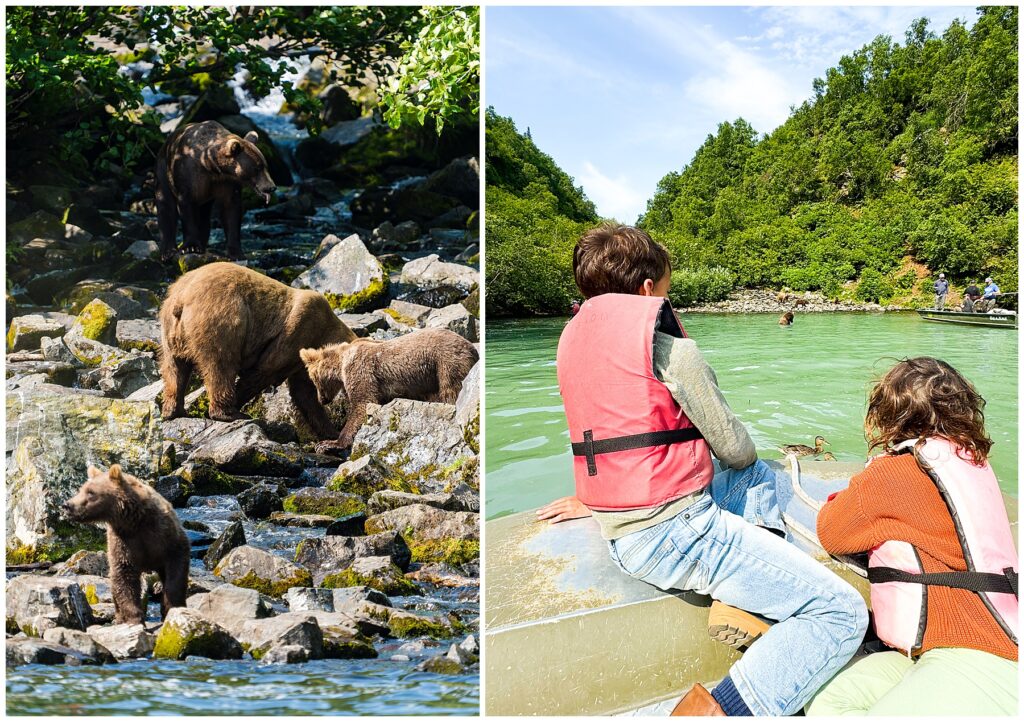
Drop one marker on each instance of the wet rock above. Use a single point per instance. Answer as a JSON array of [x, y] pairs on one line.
[[418, 443], [304, 521], [376, 205], [81, 642], [459, 179], [186, 633], [350, 599], [125, 641], [242, 447], [469, 255], [285, 654], [462, 498], [454, 318], [349, 132], [349, 276], [228, 605], [38, 225], [316, 500], [342, 643], [54, 437], [143, 249], [324, 556], [259, 501], [458, 217], [103, 613], [54, 349], [53, 372], [259, 636], [83, 562], [174, 488], [433, 535], [231, 538], [24, 650], [308, 599], [141, 334], [36, 603], [351, 525], [375, 572], [122, 377], [436, 283], [403, 234], [467, 405], [411, 314], [253, 568], [26, 332]]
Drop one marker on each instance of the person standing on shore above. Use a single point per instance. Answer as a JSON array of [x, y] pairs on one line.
[[645, 413], [941, 289]]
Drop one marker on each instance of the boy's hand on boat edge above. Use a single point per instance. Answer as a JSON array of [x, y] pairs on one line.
[[564, 509]]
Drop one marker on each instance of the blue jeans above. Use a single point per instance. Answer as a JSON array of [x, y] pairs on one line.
[[715, 547]]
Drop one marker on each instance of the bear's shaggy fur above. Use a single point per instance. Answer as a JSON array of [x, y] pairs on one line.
[[427, 365], [228, 322], [786, 319], [199, 165], [143, 535]]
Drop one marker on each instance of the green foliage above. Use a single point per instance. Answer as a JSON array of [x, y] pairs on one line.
[[535, 214], [693, 286], [67, 87], [439, 71], [905, 150]]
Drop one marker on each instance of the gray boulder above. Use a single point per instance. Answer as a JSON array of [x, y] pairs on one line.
[[467, 405], [36, 603], [436, 283], [454, 318], [259, 636], [25, 650], [26, 332], [330, 555], [141, 334], [125, 641], [459, 179], [228, 605], [285, 654], [80, 642], [83, 562], [241, 447], [232, 537], [259, 501], [267, 573], [349, 276], [123, 377], [462, 498], [186, 633], [308, 599]]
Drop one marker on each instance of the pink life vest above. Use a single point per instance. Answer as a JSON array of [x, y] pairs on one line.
[[899, 586], [633, 446]]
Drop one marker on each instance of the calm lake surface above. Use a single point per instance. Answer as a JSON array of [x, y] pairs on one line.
[[786, 384]]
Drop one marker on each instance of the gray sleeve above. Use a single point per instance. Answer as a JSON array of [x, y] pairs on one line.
[[679, 364]]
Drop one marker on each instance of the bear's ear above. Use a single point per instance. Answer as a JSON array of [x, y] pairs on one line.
[[93, 472], [234, 146], [309, 355], [252, 136], [114, 473]]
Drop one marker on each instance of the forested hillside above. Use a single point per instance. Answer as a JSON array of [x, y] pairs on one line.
[[534, 216], [907, 152], [901, 165]]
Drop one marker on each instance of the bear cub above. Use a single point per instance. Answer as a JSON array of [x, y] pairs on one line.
[[427, 365], [143, 535]]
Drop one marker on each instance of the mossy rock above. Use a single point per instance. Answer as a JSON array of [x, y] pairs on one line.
[[185, 633], [271, 588], [98, 322], [69, 539], [393, 584], [351, 649], [407, 626], [361, 300], [205, 480], [324, 502], [454, 552]]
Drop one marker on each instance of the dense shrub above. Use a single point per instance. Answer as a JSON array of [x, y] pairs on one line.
[[873, 287], [694, 286]]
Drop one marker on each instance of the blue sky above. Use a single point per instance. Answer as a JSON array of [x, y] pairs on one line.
[[620, 96]]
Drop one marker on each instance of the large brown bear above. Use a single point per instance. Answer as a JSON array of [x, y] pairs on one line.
[[426, 365], [228, 322], [200, 164], [143, 535]]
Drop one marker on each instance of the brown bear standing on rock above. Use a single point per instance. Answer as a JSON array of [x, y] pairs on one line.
[[200, 164], [143, 535], [228, 322], [426, 365]]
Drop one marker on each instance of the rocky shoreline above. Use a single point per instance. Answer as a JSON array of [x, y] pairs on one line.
[[296, 556], [767, 301]]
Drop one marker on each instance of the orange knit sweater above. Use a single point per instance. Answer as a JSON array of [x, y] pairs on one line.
[[892, 499]]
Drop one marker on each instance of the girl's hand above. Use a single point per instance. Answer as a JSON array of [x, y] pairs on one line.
[[564, 509]]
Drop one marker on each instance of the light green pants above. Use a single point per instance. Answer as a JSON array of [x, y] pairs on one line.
[[961, 682]]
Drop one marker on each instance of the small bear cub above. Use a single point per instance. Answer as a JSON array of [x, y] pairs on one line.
[[143, 535], [427, 365]]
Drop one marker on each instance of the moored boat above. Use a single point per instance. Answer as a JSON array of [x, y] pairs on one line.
[[997, 318]]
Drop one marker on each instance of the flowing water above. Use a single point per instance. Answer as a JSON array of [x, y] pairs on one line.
[[786, 384]]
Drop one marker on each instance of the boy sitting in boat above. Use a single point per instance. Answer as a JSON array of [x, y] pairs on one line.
[[942, 564], [645, 414]]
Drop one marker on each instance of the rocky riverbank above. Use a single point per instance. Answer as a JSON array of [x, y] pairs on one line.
[[296, 556], [767, 301]]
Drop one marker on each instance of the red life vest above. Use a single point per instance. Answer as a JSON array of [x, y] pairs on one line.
[[633, 446], [899, 585]]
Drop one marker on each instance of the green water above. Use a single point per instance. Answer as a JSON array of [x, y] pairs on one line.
[[786, 384]]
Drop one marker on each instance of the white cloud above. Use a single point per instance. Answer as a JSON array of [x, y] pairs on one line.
[[614, 197]]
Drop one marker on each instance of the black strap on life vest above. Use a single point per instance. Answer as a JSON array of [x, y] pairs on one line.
[[1005, 583], [590, 448]]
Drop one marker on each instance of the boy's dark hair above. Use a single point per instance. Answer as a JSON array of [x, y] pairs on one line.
[[613, 258], [922, 397]]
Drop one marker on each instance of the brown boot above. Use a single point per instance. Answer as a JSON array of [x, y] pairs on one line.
[[733, 626], [698, 702]]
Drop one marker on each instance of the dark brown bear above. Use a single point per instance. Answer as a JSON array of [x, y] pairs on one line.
[[199, 165], [426, 365], [143, 535], [228, 322]]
